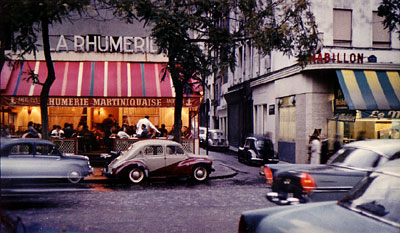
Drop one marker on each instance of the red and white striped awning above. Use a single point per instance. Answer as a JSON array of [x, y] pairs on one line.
[[118, 80]]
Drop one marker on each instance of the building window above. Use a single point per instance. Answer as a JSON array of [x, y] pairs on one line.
[[260, 119], [380, 35], [287, 119], [342, 20]]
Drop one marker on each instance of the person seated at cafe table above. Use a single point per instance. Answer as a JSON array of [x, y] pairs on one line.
[[144, 133], [122, 133]]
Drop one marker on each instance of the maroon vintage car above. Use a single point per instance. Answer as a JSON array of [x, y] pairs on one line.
[[158, 158]]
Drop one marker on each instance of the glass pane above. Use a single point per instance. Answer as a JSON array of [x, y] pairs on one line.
[[342, 25], [22, 149]]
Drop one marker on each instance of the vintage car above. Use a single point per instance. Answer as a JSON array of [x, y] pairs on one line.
[[38, 159], [253, 152], [216, 140], [153, 158], [371, 206], [293, 183]]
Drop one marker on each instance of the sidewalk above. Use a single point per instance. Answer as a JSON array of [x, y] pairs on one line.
[[221, 172]]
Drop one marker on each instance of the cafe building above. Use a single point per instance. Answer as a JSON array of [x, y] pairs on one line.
[[102, 68]]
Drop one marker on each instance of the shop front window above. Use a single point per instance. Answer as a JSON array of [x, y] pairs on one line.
[[287, 119]]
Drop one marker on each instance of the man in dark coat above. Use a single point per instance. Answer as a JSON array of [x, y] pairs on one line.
[[268, 150]]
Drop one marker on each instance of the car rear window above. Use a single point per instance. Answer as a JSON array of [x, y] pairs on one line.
[[376, 195], [21, 149]]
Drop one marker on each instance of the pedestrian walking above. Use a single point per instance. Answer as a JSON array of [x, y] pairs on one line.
[[268, 148], [315, 148]]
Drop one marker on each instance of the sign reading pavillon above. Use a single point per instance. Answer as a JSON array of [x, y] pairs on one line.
[[95, 43], [99, 101], [337, 58]]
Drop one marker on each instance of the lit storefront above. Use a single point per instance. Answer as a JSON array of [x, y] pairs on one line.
[[366, 105], [87, 92]]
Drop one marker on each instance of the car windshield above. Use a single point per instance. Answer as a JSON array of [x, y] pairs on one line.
[[260, 144], [376, 195], [355, 157], [215, 135]]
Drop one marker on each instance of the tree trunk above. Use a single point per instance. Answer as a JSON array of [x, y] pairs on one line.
[[177, 132], [44, 95]]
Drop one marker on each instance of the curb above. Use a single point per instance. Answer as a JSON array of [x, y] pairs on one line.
[[228, 172]]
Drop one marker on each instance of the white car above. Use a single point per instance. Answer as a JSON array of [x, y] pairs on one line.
[[158, 158]]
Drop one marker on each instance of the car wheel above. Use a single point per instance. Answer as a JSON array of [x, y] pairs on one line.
[[200, 173], [136, 175], [248, 159], [74, 176], [240, 158]]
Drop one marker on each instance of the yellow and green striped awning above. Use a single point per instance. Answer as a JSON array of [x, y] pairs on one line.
[[370, 89]]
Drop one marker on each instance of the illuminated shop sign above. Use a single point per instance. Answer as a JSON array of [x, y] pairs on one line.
[[96, 43], [99, 102], [322, 58], [381, 114]]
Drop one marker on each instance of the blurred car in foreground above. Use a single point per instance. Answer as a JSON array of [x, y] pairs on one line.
[[253, 152], [155, 158], [38, 159], [373, 205], [306, 182]]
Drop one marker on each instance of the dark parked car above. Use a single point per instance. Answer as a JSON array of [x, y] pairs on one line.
[[38, 159], [253, 152], [373, 205], [158, 158], [306, 182]]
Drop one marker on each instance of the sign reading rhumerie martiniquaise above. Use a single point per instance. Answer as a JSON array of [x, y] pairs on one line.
[[99, 101]]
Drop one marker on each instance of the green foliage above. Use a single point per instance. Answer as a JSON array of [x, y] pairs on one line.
[[390, 10], [202, 35], [22, 19], [25, 20]]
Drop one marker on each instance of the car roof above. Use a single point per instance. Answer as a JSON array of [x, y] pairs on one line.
[[385, 147], [256, 137], [155, 141], [10, 141]]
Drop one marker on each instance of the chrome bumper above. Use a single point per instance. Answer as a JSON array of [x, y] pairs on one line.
[[279, 200]]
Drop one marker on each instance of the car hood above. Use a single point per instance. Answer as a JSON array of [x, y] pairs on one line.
[[315, 217], [79, 157]]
